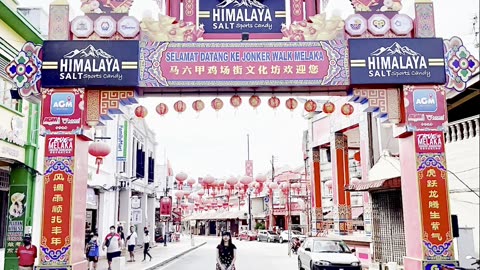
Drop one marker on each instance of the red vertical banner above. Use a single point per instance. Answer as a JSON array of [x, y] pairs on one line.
[[177, 216], [55, 246], [249, 168], [433, 191], [166, 207]]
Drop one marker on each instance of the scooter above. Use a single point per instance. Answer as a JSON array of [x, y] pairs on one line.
[[477, 263], [295, 245]]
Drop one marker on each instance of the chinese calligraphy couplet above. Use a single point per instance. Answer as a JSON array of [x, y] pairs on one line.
[[57, 203], [433, 189]]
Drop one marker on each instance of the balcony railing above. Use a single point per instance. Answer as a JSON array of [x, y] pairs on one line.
[[463, 129]]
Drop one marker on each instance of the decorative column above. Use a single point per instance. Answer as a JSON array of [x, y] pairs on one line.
[[317, 191], [296, 10], [58, 23], [428, 230], [174, 6], [310, 8], [190, 11], [365, 128], [341, 178], [424, 19]]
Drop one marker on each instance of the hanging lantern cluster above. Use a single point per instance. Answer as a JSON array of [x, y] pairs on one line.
[[254, 101]]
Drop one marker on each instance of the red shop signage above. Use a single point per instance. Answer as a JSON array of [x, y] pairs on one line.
[[166, 207], [62, 110]]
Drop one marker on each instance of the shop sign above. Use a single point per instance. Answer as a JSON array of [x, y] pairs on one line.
[[177, 216], [121, 141], [136, 203], [136, 216], [16, 219], [62, 110], [429, 141], [439, 265], [165, 207], [425, 107], [57, 203], [14, 133], [237, 16], [89, 63], [229, 64], [60, 145], [396, 61], [434, 202], [11, 151]]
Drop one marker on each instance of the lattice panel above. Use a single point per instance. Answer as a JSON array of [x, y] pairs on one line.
[[111, 100], [388, 228], [4, 180]]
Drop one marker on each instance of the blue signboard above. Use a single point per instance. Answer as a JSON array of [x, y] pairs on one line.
[[396, 61], [237, 16], [90, 64]]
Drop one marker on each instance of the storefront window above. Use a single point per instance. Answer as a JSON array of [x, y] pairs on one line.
[[5, 96]]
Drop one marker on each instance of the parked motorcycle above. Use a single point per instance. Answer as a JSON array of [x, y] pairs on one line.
[[295, 244], [477, 263]]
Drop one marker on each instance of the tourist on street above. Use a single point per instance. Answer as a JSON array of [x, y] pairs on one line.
[[92, 250], [131, 242], [146, 246], [112, 242], [226, 253], [26, 254]]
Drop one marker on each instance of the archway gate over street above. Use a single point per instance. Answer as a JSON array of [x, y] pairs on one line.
[[94, 65]]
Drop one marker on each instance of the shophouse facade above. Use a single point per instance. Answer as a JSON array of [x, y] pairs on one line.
[[19, 143]]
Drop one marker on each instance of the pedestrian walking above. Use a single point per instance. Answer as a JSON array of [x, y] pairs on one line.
[[92, 250], [131, 242], [112, 243], [226, 253], [26, 254], [146, 246]]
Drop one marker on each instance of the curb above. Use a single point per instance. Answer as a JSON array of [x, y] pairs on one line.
[[162, 263]]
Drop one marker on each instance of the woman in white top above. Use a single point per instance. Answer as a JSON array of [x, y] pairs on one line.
[[131, 242], [146, 246]]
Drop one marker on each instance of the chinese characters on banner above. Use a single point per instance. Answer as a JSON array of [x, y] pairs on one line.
[[16, 219], [55, 245], [321, 63], [165, 207], [433, 190]]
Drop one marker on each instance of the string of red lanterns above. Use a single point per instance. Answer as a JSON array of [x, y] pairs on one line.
[[217, 104]]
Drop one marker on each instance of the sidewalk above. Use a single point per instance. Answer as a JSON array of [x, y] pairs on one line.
[[161, 254]]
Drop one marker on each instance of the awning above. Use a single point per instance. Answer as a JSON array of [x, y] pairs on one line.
[[394, 183], [387, 167], [16, 163]]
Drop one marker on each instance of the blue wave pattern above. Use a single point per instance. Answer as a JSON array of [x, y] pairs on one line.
[[431, 161], [55, 256], [442, 250], [59, 166]]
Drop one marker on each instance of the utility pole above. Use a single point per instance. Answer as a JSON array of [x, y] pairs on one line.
[[167, 220]]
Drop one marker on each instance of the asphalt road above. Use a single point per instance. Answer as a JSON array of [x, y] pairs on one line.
[[251, 255]]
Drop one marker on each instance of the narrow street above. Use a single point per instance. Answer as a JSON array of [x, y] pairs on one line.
[[252, 255]]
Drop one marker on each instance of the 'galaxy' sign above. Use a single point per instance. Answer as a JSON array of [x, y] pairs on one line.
[[90, 63], [237, 16], [396, 61]]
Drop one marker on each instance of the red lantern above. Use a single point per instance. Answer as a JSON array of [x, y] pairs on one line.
[[141, 111], [181, 177], [356, 156], [180, 106], [99, 150], [236, 101], [162, 109], [328, 107], [217, 104], [347, 109], [274, 102], [310, 106], [254, 101], [291, 104], [198, 105]]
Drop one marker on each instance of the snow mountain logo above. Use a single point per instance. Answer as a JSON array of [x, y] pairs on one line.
[[89, 51], [241, 3], [395, 49]]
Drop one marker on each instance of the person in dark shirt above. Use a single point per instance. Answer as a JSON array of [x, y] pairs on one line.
[[226, 253]]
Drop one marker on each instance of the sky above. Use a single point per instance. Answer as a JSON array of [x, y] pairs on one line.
[[216, 143]]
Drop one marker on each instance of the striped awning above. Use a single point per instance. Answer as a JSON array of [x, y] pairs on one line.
[[394, 183]]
